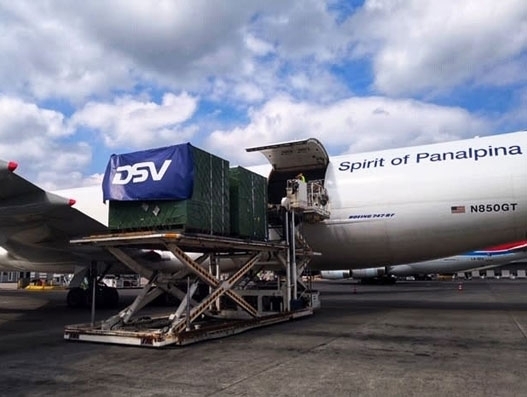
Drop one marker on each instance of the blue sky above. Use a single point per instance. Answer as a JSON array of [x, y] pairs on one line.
[[82, 80]]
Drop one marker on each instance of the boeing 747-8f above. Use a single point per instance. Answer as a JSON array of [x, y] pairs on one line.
[[387, 207]]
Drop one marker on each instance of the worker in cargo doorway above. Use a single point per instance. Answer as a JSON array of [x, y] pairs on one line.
[[294, 184], [301, 177]]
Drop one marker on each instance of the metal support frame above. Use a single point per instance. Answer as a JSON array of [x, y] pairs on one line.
[[186, 324], [294, 276], [93, 281]]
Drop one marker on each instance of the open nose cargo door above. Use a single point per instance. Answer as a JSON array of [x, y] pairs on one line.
[[308, 157]]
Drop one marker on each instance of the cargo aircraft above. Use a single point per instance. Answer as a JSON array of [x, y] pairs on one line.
[[383, 208], [488, 258]]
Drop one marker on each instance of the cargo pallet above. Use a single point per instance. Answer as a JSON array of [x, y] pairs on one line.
[[211, 317]]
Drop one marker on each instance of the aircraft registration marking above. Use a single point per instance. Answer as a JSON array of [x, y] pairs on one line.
[[494, 207]]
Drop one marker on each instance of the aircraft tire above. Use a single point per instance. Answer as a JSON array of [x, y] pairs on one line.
[[165, 299], [105, 298], [110, 297], [76, 298]]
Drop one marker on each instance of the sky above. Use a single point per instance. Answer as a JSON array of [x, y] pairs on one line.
[[82, 80]]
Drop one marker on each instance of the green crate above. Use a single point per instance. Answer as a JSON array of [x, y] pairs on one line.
[[189, 215], [248, 204], [207, 211]]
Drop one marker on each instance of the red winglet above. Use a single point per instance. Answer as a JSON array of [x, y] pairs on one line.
[[11, 166]]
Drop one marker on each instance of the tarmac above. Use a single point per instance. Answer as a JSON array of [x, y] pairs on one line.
[[418, 338]]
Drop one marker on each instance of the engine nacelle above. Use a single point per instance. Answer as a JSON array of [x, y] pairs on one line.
[[10, 263], [368, 273], [167, 262], [335, 274]]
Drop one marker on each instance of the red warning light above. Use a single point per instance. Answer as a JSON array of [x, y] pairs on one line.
[[11, 166], [71, 202]]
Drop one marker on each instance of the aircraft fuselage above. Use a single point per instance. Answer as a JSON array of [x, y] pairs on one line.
[[405, 205]]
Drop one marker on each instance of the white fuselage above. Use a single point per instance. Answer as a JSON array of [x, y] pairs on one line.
[[423, 202]]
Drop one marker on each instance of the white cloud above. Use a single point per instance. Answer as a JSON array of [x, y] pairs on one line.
[[23, 121], [351, 125], [516, 116], [33, 137], [68, 179], [78, 50], [130, 122], [248, 92], [422, 45], [258, 46], [304, 29], [87, 50], [49, 57], [280, 64], [507, 73]]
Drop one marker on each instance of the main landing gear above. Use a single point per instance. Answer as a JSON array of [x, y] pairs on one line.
[[80, 294], [105, 297]]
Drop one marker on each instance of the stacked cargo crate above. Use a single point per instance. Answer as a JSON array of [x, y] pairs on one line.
[[248, 204], [206, 211]]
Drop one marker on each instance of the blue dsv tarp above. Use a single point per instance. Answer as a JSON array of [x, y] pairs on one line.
[[157, 174]]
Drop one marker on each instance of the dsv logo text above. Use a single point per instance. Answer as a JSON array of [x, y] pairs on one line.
[[139, 172]]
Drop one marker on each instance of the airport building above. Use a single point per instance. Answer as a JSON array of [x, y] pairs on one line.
[[511, 271]]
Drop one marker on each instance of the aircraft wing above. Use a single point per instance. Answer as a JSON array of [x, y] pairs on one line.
[[36, 225]]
